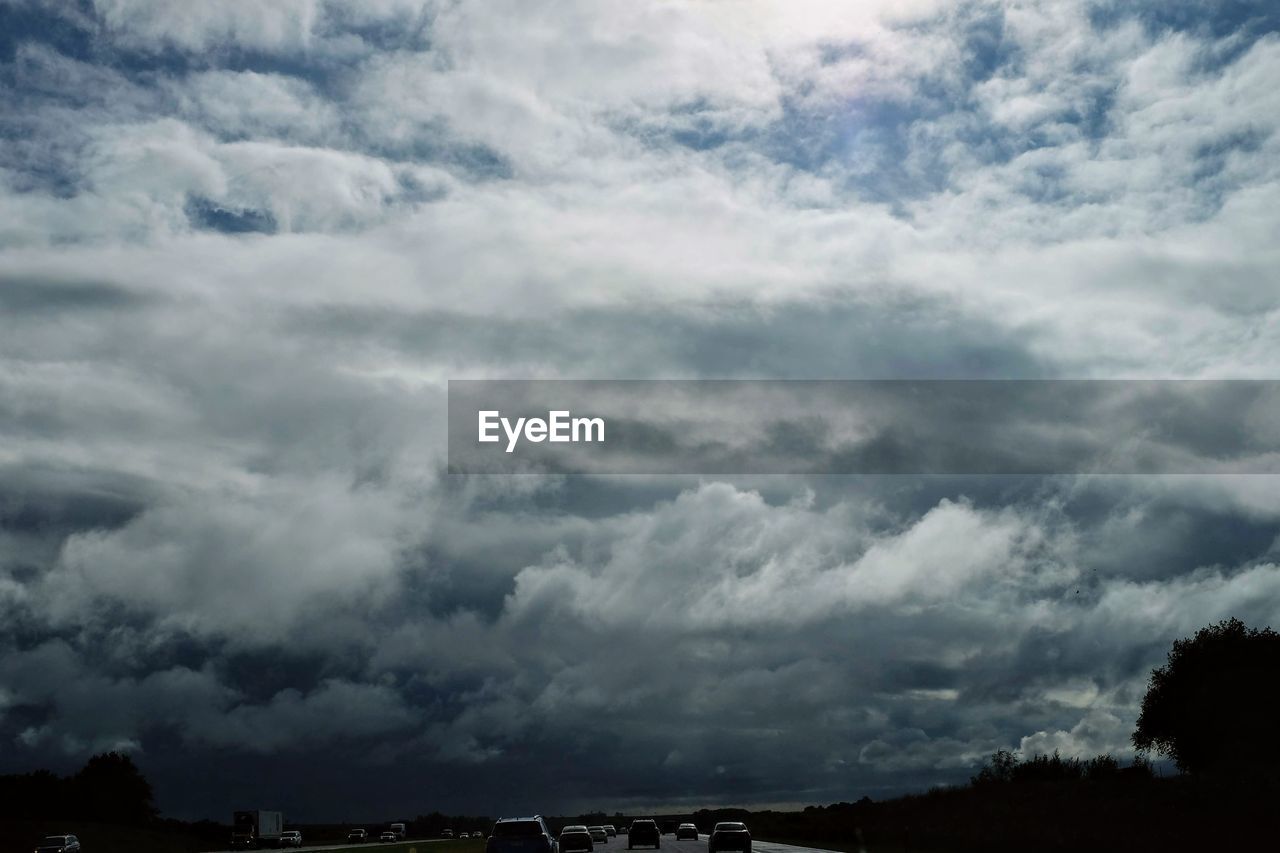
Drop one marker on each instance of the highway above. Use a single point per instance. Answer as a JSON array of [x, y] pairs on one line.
[[688, 845], [408, 846], [615, 845]]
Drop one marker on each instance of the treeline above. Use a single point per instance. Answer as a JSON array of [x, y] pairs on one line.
[[1043, 803], [431, 825], [108, 789], [1005, 766]]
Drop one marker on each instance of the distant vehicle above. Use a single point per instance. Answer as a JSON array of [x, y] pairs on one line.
[[400, 830], [464, 835], [59, 844], [448, 833], [644, 831], [574, 839], [729, 835], [598, 833], [668, 827], [255, 829], [291, 838], [388, 836], [686, 830], [611, 829], [359, 835], [521, 835]]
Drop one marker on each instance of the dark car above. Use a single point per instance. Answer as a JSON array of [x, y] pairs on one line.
[[521, 835], [58, 844], [358, 835], [729, 835], [686, 830], [574, 839], [611, 830], [644, 831]]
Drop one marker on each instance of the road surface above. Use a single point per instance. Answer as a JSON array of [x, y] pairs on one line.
[[688, 845], [372, 846], [615, 845]]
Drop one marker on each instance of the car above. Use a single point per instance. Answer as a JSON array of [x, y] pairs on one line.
[[576, 838], [611, 830], [644, 831], [668, 827], [729, 835], [59, 844], [686, 830], [448, 833], [388, 836], [598, 833], [464, 835], [358, 835], [291, 838], [521, 835]]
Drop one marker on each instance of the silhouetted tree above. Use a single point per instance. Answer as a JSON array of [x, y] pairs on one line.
[[111, 788], [999, 768], [108, 788], [1214, 706], [40, 794]]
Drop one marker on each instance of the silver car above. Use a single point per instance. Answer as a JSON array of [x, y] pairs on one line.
[[59, 844]]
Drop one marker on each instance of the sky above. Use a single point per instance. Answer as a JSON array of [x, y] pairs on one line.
[[244, 245]]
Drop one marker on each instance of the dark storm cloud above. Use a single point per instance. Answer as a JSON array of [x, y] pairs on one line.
[[34, 500], [246, 244], [838, 335], [27, 296]]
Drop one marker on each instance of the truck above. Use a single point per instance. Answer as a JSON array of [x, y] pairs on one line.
[[256, 829], [399, 830]]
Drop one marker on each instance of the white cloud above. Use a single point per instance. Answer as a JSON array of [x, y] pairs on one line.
[[718, 557], [1099, 732], [248, 567], [246, 104], [153, 24]]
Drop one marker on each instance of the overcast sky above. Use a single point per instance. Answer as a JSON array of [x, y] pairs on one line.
[[243, 245]]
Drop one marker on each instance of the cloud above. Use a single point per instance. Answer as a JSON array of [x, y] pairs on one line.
[[292, 720], [251, 105], [151, 25], [252, 567], [1098, 733]]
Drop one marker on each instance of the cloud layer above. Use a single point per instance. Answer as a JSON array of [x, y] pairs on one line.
[[243, 244]]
